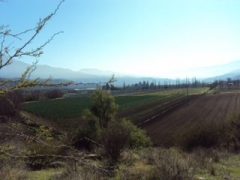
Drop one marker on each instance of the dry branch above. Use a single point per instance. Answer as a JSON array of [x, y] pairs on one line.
[[7, 55]]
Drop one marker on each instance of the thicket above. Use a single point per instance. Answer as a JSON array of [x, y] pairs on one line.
[[102, 128]]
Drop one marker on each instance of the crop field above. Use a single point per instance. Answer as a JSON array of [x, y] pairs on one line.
[[129, 105], [201, 112]]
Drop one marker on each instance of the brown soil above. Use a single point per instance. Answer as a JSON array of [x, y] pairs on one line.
[[202, 111]]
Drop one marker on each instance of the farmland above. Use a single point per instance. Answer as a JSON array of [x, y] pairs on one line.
[[72, 107], [129, 105], [202, 112], [168, 116]]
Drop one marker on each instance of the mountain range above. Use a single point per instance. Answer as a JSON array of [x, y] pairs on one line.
[[219, 72]]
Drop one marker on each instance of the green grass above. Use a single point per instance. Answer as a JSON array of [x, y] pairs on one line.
[[59, 108], [73, 107], [129, 102]]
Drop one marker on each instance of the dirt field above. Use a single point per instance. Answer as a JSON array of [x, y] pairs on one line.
[[198, 112]]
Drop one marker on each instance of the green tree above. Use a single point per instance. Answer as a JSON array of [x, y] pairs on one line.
[[104, 107]]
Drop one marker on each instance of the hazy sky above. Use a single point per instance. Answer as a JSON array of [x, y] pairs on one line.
[[139, 37]]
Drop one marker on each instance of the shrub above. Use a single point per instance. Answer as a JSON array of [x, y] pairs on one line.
[[139, 170], [16, 98], [53, 94], [7, 107], [226, 135], [200, 138], [10, 103], [231, 136], [171, 165], [138, 137], [114, 139], [206, 159], [89, 131], [206, 137]]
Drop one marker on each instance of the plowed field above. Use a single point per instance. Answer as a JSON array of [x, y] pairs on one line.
[[203, 111]]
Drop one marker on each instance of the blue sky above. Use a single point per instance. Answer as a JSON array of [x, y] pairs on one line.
[[160, 38]]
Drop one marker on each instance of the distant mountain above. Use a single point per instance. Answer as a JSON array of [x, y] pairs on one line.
[[232, 75], [16, 69], [96, 72], [214, 71], [43, 71]]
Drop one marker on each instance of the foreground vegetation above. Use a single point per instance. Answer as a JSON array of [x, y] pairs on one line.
[[154, 163], [106, 146]]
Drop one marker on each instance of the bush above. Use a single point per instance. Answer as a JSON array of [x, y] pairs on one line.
[[16, 98], [88, 132], [102, 126], [226, 135], [138, 137], [10, 103], [7, 107], [201, 138], [171, 165], [231, 137], [53, 94], [114, 139]]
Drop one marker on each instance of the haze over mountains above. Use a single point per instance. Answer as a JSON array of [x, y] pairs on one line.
[[219, 72]]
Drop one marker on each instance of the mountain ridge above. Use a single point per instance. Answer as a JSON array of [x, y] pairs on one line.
[[230, 70]]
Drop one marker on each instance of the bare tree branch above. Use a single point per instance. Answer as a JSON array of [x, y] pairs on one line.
[[7, 55], [37, 52]]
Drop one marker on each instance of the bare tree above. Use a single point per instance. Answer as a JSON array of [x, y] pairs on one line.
[[110, 83], [8, 53]]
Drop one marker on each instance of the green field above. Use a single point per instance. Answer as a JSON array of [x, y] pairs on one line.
[[73, 107]]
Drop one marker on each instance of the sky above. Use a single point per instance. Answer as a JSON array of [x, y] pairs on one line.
[[158, 38]]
